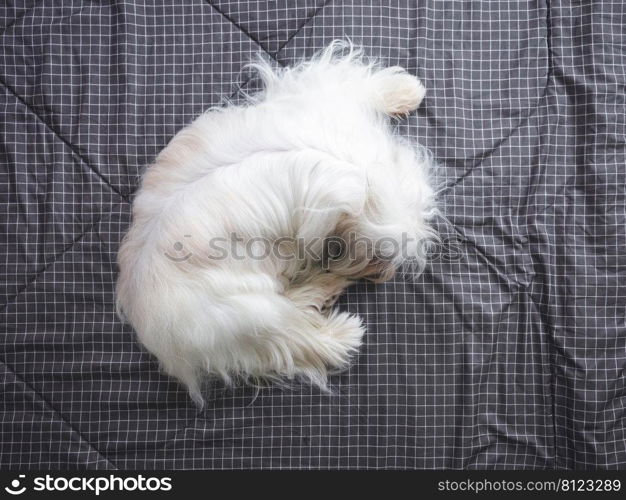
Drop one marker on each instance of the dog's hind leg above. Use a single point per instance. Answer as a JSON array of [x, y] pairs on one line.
[[325, 342], [396, 92], [335, 335], [288, 337]]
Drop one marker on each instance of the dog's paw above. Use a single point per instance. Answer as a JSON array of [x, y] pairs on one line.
[[399, 92], [343, 333]]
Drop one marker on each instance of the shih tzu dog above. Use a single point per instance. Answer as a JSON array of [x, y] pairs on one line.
[[254, 219]]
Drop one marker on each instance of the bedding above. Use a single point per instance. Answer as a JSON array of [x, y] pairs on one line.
[[508, 352]]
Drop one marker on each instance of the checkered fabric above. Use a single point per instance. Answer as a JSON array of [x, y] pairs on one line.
[[508, 352]]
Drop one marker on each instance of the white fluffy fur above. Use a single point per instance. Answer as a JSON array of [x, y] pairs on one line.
[[313, 155]]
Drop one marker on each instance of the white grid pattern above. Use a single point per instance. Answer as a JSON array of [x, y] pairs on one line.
[[511, 357]]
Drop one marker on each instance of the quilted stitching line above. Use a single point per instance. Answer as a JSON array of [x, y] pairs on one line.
[[240, 28], [538, 105], [49, 406], [447, 189], [22, 16], [274, 55], [502, 141], [547, 317], [16, 20], [52, 261], [69, 145], [304, 23]]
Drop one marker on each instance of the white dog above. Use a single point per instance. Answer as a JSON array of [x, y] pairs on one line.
[[309, 163]]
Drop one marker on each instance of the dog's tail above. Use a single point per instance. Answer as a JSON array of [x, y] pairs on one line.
[[342, 68]]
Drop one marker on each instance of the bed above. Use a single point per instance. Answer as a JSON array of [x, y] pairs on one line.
[[508, 352]]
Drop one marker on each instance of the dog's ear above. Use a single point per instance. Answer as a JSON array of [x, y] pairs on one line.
[[347, 252]]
